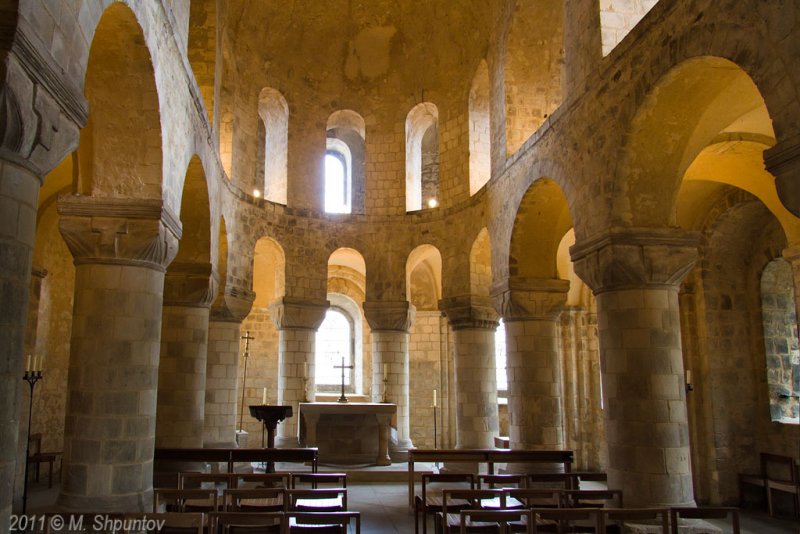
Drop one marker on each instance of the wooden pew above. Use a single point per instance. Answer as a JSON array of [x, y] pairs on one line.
[[487, 456], [232, 456]]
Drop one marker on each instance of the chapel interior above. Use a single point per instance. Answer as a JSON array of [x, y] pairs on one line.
[[545, 224]]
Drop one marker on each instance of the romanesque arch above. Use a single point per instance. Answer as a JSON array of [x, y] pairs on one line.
[[273, 145], [480, 164], [422, 157]]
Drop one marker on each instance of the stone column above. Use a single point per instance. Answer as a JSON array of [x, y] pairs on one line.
[[189, 290], [121, 248], [222, 367], [474, 323], [783, 161], [297, 322], [530, 310], [636, 274], [389, 323]]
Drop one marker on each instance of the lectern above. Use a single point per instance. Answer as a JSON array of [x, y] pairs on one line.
[[270, 416]]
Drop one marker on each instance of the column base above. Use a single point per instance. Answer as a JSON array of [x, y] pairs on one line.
[[282, 442], [241, 439], [398, 448]]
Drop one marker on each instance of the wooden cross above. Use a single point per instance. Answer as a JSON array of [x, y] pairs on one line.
[[343, 367], [247, 337]]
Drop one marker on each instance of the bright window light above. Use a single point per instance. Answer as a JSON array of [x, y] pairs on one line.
[[336, 194], [500, 356], [333, 342]]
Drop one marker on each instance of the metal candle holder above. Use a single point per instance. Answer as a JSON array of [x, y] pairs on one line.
[[31, 377]]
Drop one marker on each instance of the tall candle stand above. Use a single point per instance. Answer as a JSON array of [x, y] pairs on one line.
[[31, 377], [305, 389], [385, 387]]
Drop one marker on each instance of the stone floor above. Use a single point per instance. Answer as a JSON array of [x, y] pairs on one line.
[[384, 508]]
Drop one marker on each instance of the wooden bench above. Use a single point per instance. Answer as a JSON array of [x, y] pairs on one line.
[[230, 457], [776, 472], [487, 456]]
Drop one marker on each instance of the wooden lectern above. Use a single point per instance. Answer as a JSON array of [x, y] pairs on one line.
[[270, 416]]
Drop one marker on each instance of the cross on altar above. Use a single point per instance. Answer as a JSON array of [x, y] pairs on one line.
[[343, 367]]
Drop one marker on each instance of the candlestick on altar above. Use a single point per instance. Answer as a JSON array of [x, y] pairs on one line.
[[434, 419]]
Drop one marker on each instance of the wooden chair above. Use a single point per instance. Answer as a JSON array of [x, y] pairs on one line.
[[37, 458], [591, 498], [166, 523], [773, 467], [262, 480], [194, 480], [255, 500], [614, 519], [566, 520], [706, 512], [323, 522], [314, 480], [504, 521], [502, 481], [559, 481], [475, 499], [534, 498], [317, 500], [430, 502], [248, 523], [185, 500], [790, 487]]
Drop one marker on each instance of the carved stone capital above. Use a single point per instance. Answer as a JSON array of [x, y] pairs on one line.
[[232, 305], [389, 316], [521, 299], [119, 231], [469, 311], [783, 161], [630, 258], [298, 314], [191, 285]]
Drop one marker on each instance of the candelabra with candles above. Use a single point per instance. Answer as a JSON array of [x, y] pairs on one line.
[[33, 373]]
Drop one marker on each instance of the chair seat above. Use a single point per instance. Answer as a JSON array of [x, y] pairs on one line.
[[317, 529], [454, 524], [261, 505], [320, 505], [198, 505]]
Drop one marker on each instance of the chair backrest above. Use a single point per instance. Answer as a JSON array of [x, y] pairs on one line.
[[255, 500], [200, 480], [241, 522], [502, 481], [477, 498], [552, 480], [182, 500], [563, 519], [329, 497], [503, 518], [262, 480], [618, 517], [34, 444], [314, 520], [591, 498], [777, 467], [446, 479], [535, 498], [314, 480], [167, 521], [705, 512]]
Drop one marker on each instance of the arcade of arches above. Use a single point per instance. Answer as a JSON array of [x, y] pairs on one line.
[[616, 180]]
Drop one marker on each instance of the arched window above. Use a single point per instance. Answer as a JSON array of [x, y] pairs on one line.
[[273, 142], [338, 165], [422, 157], [500, 360], [334, 347], [780, 341]]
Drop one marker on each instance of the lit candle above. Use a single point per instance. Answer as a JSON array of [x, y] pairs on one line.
[[434, 398], [688, 377], [264, 396], [28, 365], [385, 371], [305, 369]]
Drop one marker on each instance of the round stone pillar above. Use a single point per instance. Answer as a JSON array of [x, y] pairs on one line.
[[189, 289], [635, 275], [389, 324], [297, 322], [121, 248], [474, 324], [222, 366], [530, 310]]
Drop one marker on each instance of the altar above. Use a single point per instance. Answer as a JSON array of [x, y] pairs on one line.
[[348, 432]]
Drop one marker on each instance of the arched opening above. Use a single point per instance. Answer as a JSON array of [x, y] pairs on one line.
[[338, 177], [335, 348], [480, 164], [120, 146], [273, 144], [532, 67], [346, 140], [480, 265], [422, 157]]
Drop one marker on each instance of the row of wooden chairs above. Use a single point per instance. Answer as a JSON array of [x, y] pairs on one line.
[[187, 480], [219, 523], [250, 500], [592, 520]]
